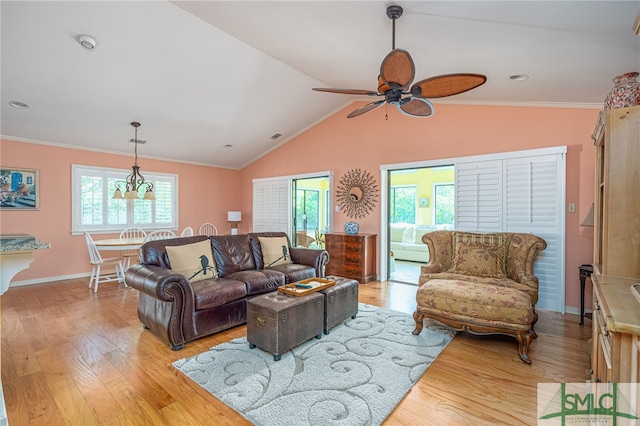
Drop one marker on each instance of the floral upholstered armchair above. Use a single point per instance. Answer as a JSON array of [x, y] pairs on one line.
[[481, 283]]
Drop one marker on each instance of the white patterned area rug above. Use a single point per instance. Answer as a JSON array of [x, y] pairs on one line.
[[356, 375]]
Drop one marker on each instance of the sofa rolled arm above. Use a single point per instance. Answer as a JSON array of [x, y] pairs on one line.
[[165, 304], [317, 258], [158, 282]]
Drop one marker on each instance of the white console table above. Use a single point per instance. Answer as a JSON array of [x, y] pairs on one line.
[[16, 254]]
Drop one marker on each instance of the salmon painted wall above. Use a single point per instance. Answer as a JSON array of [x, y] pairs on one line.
[[368, 141], [203, 198]]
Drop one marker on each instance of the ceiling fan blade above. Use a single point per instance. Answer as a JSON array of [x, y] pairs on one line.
[[366, 108], [397, 67], [447, 85], [346, 91], [416, 107]]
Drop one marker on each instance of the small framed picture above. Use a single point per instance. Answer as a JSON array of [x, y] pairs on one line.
[[19, 189], [424, 202]]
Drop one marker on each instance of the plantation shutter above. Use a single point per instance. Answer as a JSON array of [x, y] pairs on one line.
[[479, 196], [519, 194], [271, 205], [534, 205]]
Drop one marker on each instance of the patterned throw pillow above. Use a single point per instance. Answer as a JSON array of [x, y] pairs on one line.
[[275, 251], [194, 261], [482, 255]]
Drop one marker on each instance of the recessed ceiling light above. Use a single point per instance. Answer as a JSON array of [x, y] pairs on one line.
[[87, 41], [228, 145], [276, 136], [519, 77], [18, 105]]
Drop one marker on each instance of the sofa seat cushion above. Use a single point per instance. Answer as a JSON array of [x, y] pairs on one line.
[[295, 272], [475, 303], [259, 281], [498, 282], [211, 293]]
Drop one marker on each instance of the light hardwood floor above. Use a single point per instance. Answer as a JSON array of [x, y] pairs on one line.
[[73, 357]]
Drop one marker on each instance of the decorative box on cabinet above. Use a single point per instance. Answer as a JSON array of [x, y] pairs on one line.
[[351, 256]]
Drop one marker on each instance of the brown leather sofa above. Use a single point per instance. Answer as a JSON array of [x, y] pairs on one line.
[[178, 311]]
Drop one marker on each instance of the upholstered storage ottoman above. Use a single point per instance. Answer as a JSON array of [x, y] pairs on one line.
[[340, 301], [477, 308], [278, 322]]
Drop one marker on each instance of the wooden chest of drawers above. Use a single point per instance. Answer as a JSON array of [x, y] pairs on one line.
[[351, 256]]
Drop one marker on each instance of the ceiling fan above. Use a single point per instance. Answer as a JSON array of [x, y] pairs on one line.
[[396, 74]]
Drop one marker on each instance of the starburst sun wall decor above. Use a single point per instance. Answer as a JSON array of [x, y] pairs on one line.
[[356, 194]]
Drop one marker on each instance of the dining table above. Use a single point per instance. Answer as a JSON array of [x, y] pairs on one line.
[[121, 244]]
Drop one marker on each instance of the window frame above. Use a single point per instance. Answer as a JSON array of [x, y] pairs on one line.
[[78, 171], [435, 203]]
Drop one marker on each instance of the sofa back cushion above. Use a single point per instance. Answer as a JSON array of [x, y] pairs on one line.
[[401, 232], [154, 252], [232, 253], [482, 255], [194, 261], [419, 231]]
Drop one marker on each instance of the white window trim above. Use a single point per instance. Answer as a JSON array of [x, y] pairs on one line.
[[76, 229]]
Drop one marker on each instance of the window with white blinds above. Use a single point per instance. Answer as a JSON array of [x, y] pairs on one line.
[[94, 209]]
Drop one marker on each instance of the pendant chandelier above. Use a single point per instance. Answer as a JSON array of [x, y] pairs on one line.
[[135, 181]]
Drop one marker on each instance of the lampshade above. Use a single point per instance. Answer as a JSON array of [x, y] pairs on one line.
[[234, 216], [588, 221]]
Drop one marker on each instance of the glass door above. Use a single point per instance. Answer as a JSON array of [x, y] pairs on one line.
[[310, 211]]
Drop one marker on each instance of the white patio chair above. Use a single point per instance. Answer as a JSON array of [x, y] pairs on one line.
[[187, 232], [208, 229], [97, 261], [159, 234], [127, 255]]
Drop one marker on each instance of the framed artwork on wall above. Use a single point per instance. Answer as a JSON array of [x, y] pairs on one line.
[[19, 189]]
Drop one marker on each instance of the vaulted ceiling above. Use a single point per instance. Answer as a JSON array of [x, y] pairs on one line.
[[212, 81]]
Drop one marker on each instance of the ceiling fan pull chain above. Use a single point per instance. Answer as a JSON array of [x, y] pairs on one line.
[[386, 111]]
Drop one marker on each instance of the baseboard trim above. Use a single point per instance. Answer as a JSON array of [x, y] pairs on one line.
[[48, 279]]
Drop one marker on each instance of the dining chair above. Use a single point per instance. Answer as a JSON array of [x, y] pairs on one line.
[[208, 229], [187, 232], [97, 261], [159, 234], [127, 255]]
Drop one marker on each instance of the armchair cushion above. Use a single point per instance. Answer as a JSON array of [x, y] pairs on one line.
[[194, 261]]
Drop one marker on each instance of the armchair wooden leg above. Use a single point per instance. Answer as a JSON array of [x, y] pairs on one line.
[[535, 320], [417, 317], [524, 340]]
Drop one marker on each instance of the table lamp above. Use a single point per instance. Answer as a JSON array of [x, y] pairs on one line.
[[234, 217]]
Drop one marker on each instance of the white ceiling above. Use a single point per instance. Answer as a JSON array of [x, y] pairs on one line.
[[204, 74]]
